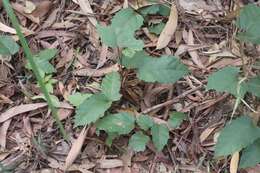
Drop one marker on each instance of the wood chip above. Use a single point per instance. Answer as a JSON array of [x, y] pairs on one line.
[[169, 29]]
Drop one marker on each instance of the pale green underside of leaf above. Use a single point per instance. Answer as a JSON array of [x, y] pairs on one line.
[[77, 98], [226, 80], [250, 155], [160, 136], [176, 118], [120, 123], [240, 133], [248, 21], [91, 109], [111, 86], [166, 69], [122, 30], [138, 141], [8, 46], [144, 122]]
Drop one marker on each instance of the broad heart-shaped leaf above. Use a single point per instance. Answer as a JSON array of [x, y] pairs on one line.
[[120, 123], [160, 136], [42, 61], [91, 109], [138, 141], [226, 80], [8, 46], [166, 69], [122, 30], [176, 119], [240, 133], [248, 21], [111, 86], [250, 155], [144, 122], [77, 98], [253, 86]]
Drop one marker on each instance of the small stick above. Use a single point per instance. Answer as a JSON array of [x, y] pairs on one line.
[[174, 100]]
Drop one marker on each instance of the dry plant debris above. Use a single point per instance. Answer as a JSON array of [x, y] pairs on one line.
[[135, 95]]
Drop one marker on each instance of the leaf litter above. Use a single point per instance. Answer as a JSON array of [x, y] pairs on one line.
[[193, 34]]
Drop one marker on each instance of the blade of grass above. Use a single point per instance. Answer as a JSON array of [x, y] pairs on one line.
[[36, 72]]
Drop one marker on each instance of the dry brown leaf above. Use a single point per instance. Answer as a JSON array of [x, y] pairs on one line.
[[234, 162], [86, 8], [205, 134], [75, 149], [5, 28], [29, 7], [194, 54], [42, 8], [255, 169], [20, 109], [169, 29], [110, 163], [96, 73], [3, 132]]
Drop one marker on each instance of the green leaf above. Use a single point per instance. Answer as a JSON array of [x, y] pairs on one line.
[[226, 80], [176, 118], [122, 29], [77, 98], [253, 86], [155, 9], [248, 21], [160, 136], [157, 28], [110, 138], [91, 109], [120, 123], [8, 46], [54, 99], [166, 69], [145, 122], [138, 141], [42, 61], [111, 86], [237, 135], [250, 155]]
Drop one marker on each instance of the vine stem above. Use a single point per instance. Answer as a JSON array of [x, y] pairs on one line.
[[29, 57]]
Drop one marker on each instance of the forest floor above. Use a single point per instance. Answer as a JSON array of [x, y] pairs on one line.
[[204, 40]]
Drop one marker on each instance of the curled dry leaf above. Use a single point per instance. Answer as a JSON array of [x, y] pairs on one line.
[[234, 162], [169, 29], [3, 132], [75, 149]]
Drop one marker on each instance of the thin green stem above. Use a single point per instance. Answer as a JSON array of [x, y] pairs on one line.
[[35, 69]]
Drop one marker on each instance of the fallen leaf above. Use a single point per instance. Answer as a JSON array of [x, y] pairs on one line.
[[42, 8], [110, 163], [19, 110], [234, 162], [3, 132], [29, 7], [75, 149], [86, 8], [96, 72], [205, 134], [169, 29], [7, 29]]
